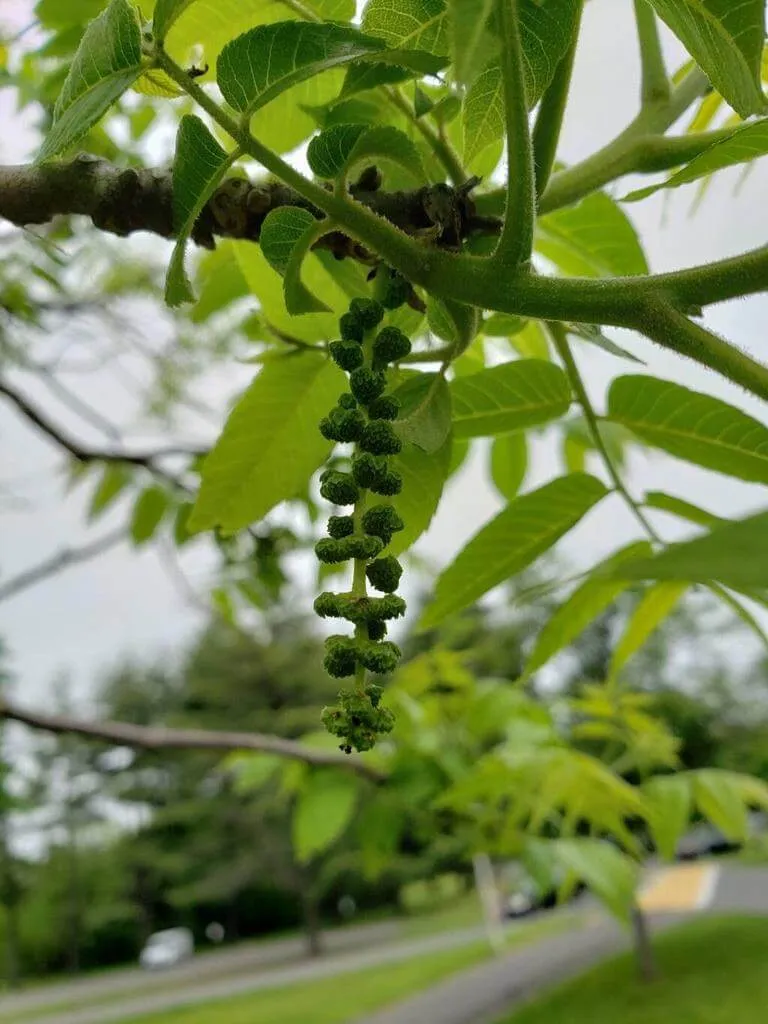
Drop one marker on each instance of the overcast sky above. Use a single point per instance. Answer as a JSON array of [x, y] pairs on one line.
[[125, 604]]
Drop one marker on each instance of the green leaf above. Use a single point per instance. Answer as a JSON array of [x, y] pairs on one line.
[[424, 475], [425, 411], [320, 276], [654, 607], [503, 325], [583, 606], [454, 322], [509, 463], [409, 24], [528, 527], [595, 336], [682, 509], [361, 77], [260, 64], [270, 445], [546, 32], [691, 426], [324, 809], [594, 238], [148, 513], [166, 13], [338, 149], [610, 874], [735, 555], [468, 20], [252, 771], [669, 800], [198, 169], [328, 153], [482, 115], [718, 797], [504, 398], [748, 142], [285, 238], [210, 24], [378, 829], [114, 480], [726, 41], [107, 63], [531, 342]]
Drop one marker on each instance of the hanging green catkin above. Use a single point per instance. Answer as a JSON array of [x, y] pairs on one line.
[[363, 417]]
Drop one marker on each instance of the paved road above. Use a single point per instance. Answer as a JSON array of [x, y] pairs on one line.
[[476, 996], [481, 995], [245, 958], [220, 988]]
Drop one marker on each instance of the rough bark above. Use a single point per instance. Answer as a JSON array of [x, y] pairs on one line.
[[123, 200]]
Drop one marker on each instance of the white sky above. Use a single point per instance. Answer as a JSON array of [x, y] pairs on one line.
[[124, 603]]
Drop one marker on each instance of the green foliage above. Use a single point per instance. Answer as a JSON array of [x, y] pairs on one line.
[[594, 238], [270, 444], [509, 463], [323, 811], [583, 606], [727, 42], [337, 150], [107, 63], [199, 167], [504, 398], [412, 258], [611, 875], [528, 527], [732, 554], [424, 419], [148, 513], [286, 236], [653, 608], [669, 809], [260, 64], [692, 426], [746, 143]]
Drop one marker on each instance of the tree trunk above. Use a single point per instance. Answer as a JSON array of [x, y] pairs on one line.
[[74, 914], [643, 947], [487, 889], [312, 930], [12, 955]]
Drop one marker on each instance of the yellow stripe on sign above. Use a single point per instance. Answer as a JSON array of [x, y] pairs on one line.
[[684, 887]]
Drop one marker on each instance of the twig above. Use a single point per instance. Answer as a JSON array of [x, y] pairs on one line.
[[549, 120], [516, 241], [81, 452], [558, 334], [164, 738], [655, 82], [63, 559]]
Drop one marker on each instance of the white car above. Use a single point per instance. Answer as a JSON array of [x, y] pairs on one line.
[[167, 948]]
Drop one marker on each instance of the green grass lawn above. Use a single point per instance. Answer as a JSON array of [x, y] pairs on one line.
[[341, 999], [713, 971]]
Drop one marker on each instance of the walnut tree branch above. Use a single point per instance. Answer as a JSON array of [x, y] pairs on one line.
[[55, 563], [164, 738], [83, 453], [122, 201]]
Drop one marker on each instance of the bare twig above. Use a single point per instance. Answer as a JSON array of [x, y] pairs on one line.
[[82, 453], [163, 738], [60, 560]]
